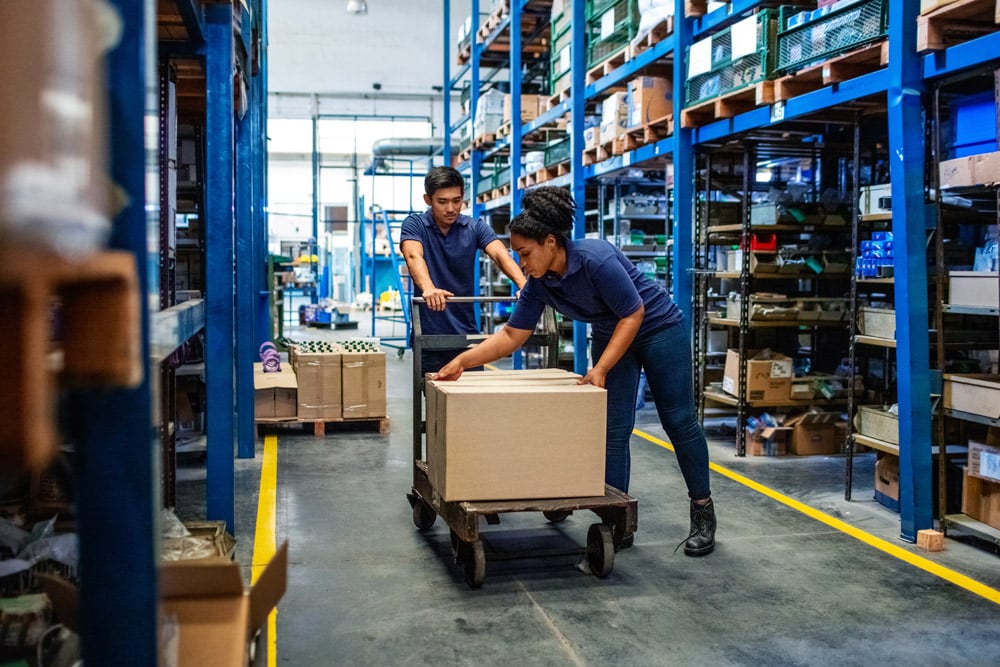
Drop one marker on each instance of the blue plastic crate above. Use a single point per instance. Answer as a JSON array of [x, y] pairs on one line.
[[973, 125]]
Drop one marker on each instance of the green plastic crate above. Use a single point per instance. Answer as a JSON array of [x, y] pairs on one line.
[[557, 152], [502, 177], [840, 30], [611, 31], [595, 8], [727, 75]]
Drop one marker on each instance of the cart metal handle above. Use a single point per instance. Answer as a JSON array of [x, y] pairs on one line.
[[472, 299]]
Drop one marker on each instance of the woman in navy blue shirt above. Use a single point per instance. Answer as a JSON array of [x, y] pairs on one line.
[[635, 327]]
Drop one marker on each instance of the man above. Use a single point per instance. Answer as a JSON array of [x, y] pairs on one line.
[[439, 247]]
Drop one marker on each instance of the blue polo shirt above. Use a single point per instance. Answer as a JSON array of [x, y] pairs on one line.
[[601, 286], [451, 263]]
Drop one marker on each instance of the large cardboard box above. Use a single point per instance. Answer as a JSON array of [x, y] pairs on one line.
[[274, 394], [984, 461], [977, 169], [363, 376], [814, 433], [530, 107], [516, 438], [614, 116], [319, 383], [216, 619], [981, 500], [887, 481], [768, 379], [649, 98]]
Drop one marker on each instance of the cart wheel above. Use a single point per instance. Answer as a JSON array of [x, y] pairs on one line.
[[600, 550], [423, 515], [557, 516], [456, 547], [474, 558]]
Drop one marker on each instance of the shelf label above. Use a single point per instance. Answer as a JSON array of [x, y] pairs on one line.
[[989, 465], [564, 60], [777, 112], [700, 58], [744, 37], [608, 24]]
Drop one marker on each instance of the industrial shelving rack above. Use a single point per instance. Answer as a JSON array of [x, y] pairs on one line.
[[900, 86]]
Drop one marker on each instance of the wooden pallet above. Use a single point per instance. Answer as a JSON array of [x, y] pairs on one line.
[[728, 105], [836, 70], [464, 56], [484, 141], [601, 70], [560, 97], [590, 155], [484, 197], [695, 8], [464, 156], [649, 39], [97, 342], [654, 131], [955, 23], [319, 426], [503, 130]]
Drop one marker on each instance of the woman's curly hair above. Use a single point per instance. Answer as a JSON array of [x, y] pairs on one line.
[[547, 210]]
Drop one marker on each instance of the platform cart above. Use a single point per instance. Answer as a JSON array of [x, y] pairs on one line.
[[617, 510]]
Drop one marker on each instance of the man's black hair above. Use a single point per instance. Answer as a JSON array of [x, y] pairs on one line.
[[440, 178]]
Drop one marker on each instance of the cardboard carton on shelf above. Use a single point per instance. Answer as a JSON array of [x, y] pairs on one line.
[[210, 618], [887, 481], [515, 439], [984, 461], [769, 375]]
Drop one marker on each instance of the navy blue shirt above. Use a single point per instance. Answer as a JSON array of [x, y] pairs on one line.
[[451, 263], [601, 286]]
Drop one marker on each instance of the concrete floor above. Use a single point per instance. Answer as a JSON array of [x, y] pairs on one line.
[[366, 588]]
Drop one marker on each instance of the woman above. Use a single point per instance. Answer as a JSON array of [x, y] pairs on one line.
[[635, 327]]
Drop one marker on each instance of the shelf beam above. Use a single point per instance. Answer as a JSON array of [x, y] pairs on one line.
[[681, 144], [909, 228], [577, 183]]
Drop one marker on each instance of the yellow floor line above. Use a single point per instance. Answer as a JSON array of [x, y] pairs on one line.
[[957, 578], [264, 540]]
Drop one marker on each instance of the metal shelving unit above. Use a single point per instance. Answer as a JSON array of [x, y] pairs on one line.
[[901, 82]]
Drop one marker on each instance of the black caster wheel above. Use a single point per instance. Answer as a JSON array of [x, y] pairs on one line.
[[600, 550], [474, 561], [557, 516], [423, 515]]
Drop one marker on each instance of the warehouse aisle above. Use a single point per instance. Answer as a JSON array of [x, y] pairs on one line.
[[366, 588]]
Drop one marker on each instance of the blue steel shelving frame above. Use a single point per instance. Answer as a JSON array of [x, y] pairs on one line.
[[901, 84]]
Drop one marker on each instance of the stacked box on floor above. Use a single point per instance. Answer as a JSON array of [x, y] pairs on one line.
[[318, 372], [363, 369], [516, 435], [731, 59], [275, 394]]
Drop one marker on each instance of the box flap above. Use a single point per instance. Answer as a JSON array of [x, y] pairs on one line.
[[204, 577], [268, 588], [283, 379], [813, 418]]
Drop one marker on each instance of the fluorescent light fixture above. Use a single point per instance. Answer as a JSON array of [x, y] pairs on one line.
[[357, 6]]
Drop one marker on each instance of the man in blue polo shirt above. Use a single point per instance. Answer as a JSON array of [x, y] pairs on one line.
[[439, 246]]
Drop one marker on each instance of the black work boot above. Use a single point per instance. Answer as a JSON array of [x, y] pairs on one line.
[[701, 539]]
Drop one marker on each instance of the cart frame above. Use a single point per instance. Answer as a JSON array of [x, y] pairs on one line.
[[617, 510]]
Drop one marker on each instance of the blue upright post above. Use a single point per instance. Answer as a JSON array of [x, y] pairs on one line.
[[909, 227], [476, 161], [219, 270], [315, 196], [246, 273], [515, 107], [446, 92], [258, 112], [578, 71], [682, 262], [117, 474]]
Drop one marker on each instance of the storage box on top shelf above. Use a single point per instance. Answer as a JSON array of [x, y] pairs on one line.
[[887, 481], [977, 394], [550, 446], [769, 376], [208, 617], [981, 500], [650, 98], [363, 376], [980, 289], [614, 116], [275, 394], [980, 169]]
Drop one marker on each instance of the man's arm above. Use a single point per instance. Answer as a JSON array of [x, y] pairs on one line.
[[413, 253], [497, 251]]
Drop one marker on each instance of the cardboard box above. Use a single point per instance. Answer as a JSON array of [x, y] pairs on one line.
[[814, 433], [275, 395], [530, 107], [592, 136], [320, 394], [614, 116], [929, 539], [515, 439], [981, 500], [927, 6], [973, 393], [875, 199], [984, 461], [980, 289], [650, 98], [767, 379], [363, 379], [216, 619], [877, 422], [980, 169], [887, 481], [768, 441]]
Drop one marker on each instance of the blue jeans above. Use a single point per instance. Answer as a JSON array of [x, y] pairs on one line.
[[665, 355]]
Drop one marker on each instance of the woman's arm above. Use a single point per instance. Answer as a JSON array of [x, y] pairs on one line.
[[502, 343], [621, 338], [498, 252]]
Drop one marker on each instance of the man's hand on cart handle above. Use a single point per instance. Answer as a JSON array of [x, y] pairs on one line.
[[435, 298]]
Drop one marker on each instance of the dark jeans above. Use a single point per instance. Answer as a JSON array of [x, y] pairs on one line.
[[665, 356]]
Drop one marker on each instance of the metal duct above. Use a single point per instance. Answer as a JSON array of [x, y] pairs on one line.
[[411, 147]]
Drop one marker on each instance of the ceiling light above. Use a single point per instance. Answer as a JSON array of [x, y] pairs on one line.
[[357, 6]]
